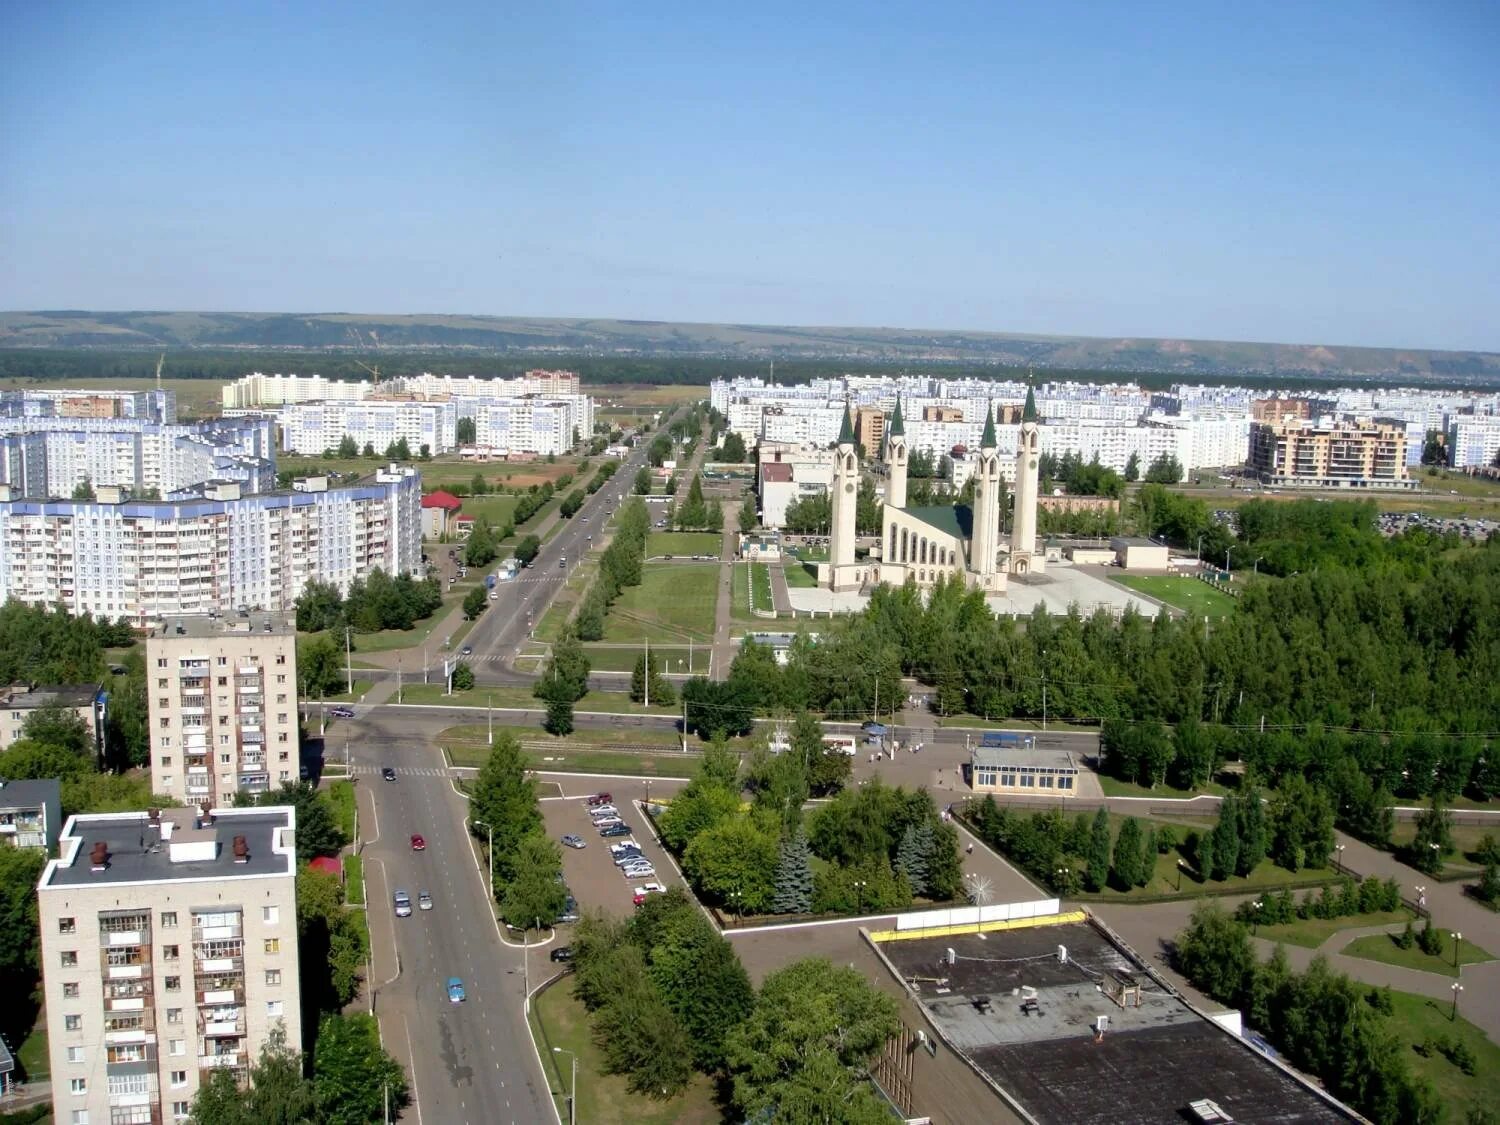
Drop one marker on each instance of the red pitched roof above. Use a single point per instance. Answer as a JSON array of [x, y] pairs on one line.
[[463, 519], [441, 499]]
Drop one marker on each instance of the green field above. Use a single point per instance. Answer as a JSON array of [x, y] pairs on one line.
[[800, 575], [1383, 948], [760, 586], [35, 1061], [1313, 932], [1114, 787], [1418, 1019], [675, 659], [559, 1020], [672, 603], [1187, 594], [615, 702], [682, 543]]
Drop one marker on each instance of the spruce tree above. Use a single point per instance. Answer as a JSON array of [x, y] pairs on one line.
[[794, 878], [1128, 854], [1097, 873], [1254, 840], [1206, 856], [914, 854], [1226, 844], [1148, 859]]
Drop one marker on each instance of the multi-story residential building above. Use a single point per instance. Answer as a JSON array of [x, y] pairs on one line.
[[155, 405], [1473, 442], [222, 698], [30, 813], [51, 457], [169, 951], [216, 553], [256, 390], [1330, 453], [789, 473], [18, 702], [312, 427], [529, 424]]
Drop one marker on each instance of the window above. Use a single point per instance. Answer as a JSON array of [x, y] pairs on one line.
[[169, 952], [161, 683], [1008, 779], [168, 919], [72, 1023], [179, 1078], [1028, 781], [173, 984], [78, 1085], [166, 761], [174, 1015], [1065, 782], [80, 1117], [69, 958], [129, 1084], [75, 1054], [223, 660], [281, 697], [281, 658], [273, 1007], [176, 1046], [70, 991], [273, 976], [164, 722], [282, 678], [1045, 781], [270, 915], [281, 737], [223, 759], [66, 926], [180, 1111], [161, 663], [164, 703], [273, 945]]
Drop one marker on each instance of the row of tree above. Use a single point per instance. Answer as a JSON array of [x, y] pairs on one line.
[[372, 604], [526, 871], [398, 450], [694, 513]]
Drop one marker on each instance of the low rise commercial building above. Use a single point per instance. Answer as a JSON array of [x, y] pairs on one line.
[[1026, 770], [169, 951], [1135, 553]]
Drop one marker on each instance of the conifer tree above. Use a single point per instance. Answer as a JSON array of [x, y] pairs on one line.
[[794, 877], [1098, 857]]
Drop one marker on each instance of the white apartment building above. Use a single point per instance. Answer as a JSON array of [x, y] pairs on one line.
[[50, 457], [154, 405], [1473, 441], [256, 390], [169, 950], [215, 553], [222, 698], [529, 424], [789, 473], [310, 428]]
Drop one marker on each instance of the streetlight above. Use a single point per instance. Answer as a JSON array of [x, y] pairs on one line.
[[1255, 922], [573, 1086], [1437, 859], [1458, 940], [1421, 900], [482, 824], [1338, 861], [1044, 689], [734, 905], [859, 895], [1200, 549], [1453, 1015], [1256, 568], [1227, 552]]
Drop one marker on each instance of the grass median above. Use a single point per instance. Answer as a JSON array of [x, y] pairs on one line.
[[354, 880], [1385, 949]]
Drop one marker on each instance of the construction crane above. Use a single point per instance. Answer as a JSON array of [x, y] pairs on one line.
[[360, 340], [161, 360]]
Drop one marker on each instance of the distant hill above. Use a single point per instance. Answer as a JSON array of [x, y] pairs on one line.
[[336, 332]]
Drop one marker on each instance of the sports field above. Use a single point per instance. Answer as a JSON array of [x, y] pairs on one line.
[[1187, 594]]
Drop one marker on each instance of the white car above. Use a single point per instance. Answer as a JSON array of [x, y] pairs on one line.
[[607, 821], [638, 871], [650, 889], [604, 810], [625, 845]]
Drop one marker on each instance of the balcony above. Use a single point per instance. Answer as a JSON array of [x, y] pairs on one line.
[[218, 964], [234, 995], [227, 1058], [125, 937], [223, 1029], [126, 1004]]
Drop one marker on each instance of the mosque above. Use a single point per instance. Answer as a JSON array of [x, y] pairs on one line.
[[928, 543]]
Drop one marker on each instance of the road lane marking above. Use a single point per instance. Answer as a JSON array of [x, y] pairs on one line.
[[416, 1094]]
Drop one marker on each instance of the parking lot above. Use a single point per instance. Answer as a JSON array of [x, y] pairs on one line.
[[590, 872]]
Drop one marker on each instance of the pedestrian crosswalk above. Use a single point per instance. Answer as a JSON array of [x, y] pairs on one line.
[[404, 771]]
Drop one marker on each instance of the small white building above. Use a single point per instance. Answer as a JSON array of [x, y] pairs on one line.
[[1134, 553]]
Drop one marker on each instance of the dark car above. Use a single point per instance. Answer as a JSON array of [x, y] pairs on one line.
[[388, 773], [467, 650], [562, 953], [418, 844], [600, 799], [613, 830]]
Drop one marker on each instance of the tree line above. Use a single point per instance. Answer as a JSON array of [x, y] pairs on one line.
[[504, 817]]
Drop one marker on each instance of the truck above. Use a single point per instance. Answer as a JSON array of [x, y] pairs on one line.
[[1007, 739]]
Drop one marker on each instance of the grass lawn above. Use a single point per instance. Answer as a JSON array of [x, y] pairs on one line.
[[1313, 932], [354, 879], [1187, 594], [800, 575], [625, 739], [810, 554], [33, 1057], [669, 658], [760, 586], [360, 687], [1419, 1018], [613, 702], [341, 797], [739, 594], [672, 603], [1383, 948], [1114, 787], [680, 543], [559, 1020], [496, 509]]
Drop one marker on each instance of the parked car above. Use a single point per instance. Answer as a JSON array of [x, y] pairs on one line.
[[604, 810], [615, 830], [610, 822], [388, 773], [403, 904], [417, 843], [644, 871], [600, 799], [628, 855], [424, 900], [563, 953], [456, 994], [569, 912], [574, 842]]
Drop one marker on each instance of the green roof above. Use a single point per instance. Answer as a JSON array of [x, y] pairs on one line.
[[1028, 412], [957, 520], [896, 428], [846, 431], [987, 439]]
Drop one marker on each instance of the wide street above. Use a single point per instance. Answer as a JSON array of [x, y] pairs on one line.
[[471, 1062]]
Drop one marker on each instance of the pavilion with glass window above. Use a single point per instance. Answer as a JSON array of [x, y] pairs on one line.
[[1031, 772]]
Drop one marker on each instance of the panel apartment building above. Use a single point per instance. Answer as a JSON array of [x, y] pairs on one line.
[[1330, 453], [222, 698], [220, 552], [169, 950]]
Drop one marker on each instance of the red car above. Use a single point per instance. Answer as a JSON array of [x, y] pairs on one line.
[[418, 844], [600, 799]]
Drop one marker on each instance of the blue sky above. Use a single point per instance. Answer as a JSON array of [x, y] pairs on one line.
[[1304, 172]]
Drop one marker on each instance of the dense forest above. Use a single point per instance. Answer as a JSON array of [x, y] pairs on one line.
[[61, 364]]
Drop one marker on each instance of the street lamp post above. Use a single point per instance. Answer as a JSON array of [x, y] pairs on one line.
[[1339, 857], [1458, 940], [1256, 568], [1200, 549], [1453, 1015], [572, 1086], [734, 905], [1421, 900], [482, 824], [1255, 922], [859, 896], [1227, 552]]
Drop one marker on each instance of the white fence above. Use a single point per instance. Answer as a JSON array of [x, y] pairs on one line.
[[974, 915]]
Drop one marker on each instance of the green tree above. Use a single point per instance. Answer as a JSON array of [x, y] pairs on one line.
[[1127, 861], [1433, 842], [465, 431], [913, 854], [26, 760], [810, 1010], [733, 449], [480, 548], [1097, 873], [1214, 952], [1133, 468], [20, 868], [320, 606], [320, 668], [639, 1035], [642, 485], [1165, 469], [318, 832], [748, 517], [504, 797], [734, 864], [1488, 888], [84, 490], [463, 676], [527, 549], [701, 805], [535, 893], [475, 603], [276, 1094], [348, 447], [794, 877]]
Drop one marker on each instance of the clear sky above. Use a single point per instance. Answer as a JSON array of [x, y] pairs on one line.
[[1321, 172]]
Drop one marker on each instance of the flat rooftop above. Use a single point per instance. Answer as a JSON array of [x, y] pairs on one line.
[[1151, 1062], [23, 697], [29, 793], [239, 624], [1022, 756], [181, 845]]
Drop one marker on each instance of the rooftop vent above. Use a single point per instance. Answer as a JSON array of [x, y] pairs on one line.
[[99, 856], [153, 817], [241, 850]]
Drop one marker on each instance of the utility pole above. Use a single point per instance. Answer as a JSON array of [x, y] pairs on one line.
[[398, 679], [489, 714], [349, 663], [647, 676]]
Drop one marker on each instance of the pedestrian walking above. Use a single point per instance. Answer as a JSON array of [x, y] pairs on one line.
[[969, 850]]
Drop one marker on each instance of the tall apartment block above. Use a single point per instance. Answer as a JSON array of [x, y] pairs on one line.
[[222, 698], [169, 950], [1330, 453]]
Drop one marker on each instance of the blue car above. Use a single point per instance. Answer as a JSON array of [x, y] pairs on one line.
[[456, 991]]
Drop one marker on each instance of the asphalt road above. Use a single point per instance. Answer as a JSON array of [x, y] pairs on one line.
[[471, 1062], [510, 618]]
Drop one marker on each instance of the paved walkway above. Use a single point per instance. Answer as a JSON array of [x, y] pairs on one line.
[[724, 646], [781, 599]]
